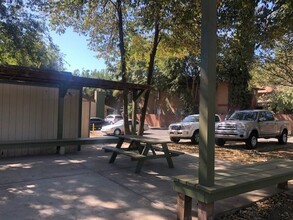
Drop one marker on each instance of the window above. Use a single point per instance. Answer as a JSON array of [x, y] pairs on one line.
[[269, 116]]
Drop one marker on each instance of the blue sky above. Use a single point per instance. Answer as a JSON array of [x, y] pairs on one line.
[[77, 54]]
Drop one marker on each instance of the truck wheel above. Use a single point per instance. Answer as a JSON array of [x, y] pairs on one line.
[[251, 142], [220, 142], [195, 137], [175, 140], [282, 139]]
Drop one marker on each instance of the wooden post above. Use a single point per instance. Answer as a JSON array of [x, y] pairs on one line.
[[61, 94], [134, 110], [207, 94], [205, 211], [79, 127], [184, 207], [207, 102]]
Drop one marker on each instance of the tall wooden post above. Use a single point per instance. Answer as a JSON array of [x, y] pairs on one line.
[[134, 111], [207, 102], [79, 126], [61, 95]]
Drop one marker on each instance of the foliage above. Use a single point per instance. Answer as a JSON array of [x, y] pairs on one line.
[[166, 60], [266, 22], [181, 76], [24, 38], [275, 67], [281, 102], [105, 23], [237, 49], [103, 74]]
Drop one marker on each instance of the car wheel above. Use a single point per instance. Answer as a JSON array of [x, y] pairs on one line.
[[251, 142], [220, 142], [195, 137], [117, 132], [282, 139], [175, 140]]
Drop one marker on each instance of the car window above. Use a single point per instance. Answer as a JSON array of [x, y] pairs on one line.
[[191, 118], [95, 119], [217, 119], [245, 115], [120, 122], [269, 116]]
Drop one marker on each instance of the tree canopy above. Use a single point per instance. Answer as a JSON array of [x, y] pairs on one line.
[[245, 28], [158, 42], [24, 38]]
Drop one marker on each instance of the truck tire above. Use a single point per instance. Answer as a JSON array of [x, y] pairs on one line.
[[282, 139], [175, 140], [195, 137], [220, 142], [251, 142]]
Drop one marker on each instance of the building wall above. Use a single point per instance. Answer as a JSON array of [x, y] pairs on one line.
[[222, 98], [31, 113], [169, 104]]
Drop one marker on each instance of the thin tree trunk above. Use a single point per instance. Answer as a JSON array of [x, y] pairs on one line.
[[123, 66], [150, 75]]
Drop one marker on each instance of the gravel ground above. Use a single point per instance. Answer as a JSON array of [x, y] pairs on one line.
[[277, 207]]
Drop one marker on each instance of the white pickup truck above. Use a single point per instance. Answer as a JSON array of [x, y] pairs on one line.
[[249, 125], [188, 128]]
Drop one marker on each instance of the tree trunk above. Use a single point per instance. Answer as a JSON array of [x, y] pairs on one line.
[[150, 75], [123, 66]]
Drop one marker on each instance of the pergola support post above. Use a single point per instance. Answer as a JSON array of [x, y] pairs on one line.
[[79, 126], [61, 94], [206, 170], [134, 111], [184, 207], [205, 210]]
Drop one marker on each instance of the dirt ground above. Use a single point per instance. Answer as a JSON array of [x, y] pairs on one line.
[[277, 207]]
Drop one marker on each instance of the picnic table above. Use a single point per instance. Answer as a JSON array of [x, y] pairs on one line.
[[141, 148]]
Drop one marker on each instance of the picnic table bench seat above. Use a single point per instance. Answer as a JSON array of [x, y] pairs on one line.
[[12, 144], [129, 153], [173, 153], [230, 182]]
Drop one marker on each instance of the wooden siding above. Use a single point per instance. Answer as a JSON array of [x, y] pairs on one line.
[[86, 106], [30, 113]]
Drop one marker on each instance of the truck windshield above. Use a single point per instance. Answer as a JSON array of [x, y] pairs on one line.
[[244, 116], [191, 118]]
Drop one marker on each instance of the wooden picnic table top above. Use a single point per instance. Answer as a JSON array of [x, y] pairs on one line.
[[144, 139]]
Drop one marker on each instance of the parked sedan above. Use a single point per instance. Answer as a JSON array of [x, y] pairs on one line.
[[118, 128], [96, 123], [111, 119]]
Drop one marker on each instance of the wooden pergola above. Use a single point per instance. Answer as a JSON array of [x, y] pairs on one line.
[[64, 81]]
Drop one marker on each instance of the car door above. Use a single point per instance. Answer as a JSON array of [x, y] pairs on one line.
[[271, 123], [267, 124], [263, 125]]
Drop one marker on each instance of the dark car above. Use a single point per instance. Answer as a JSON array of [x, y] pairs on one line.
[[96, 123]]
